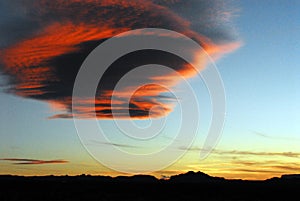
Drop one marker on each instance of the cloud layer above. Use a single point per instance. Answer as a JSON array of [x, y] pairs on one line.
[[245, 153], [44, 42], [24, 161]]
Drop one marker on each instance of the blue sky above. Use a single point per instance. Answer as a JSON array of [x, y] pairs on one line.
[[262, 77]]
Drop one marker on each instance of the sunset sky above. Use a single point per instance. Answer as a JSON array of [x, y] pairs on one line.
[[255, 46]]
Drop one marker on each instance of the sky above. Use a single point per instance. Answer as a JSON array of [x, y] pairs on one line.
[[254, 45]]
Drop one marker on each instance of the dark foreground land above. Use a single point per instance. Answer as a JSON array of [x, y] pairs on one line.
[[185, 187]]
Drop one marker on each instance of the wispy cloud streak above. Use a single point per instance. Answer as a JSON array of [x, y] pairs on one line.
[[114, 144], [240, 152], [24, 161], [274, 137]]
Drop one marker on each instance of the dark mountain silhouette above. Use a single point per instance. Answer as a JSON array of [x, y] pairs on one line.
[[188, 186], [136, 179], [194, 177], [291, 176]]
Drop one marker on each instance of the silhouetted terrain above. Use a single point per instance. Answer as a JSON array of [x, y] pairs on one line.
[[189, 186]]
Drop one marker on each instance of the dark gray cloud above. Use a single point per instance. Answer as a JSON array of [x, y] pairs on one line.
[[15, 22], [94, 142], [44, 42], [24, 161]]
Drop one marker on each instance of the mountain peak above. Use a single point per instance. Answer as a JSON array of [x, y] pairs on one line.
[[194, 177]]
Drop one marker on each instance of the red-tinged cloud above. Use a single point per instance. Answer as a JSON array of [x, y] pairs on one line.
[[44, 42], [23, 161]]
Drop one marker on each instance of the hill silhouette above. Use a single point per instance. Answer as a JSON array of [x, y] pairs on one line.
[[188, 186], [194, 177]]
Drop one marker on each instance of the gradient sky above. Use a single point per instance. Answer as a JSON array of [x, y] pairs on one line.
[[262, 132]]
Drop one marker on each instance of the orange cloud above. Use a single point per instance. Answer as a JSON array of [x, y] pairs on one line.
[[44, 64], [26, 60]]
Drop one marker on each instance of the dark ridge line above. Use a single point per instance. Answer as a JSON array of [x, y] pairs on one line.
[[189, 177]]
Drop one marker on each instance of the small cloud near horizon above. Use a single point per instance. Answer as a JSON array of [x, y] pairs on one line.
[[24, 161]]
